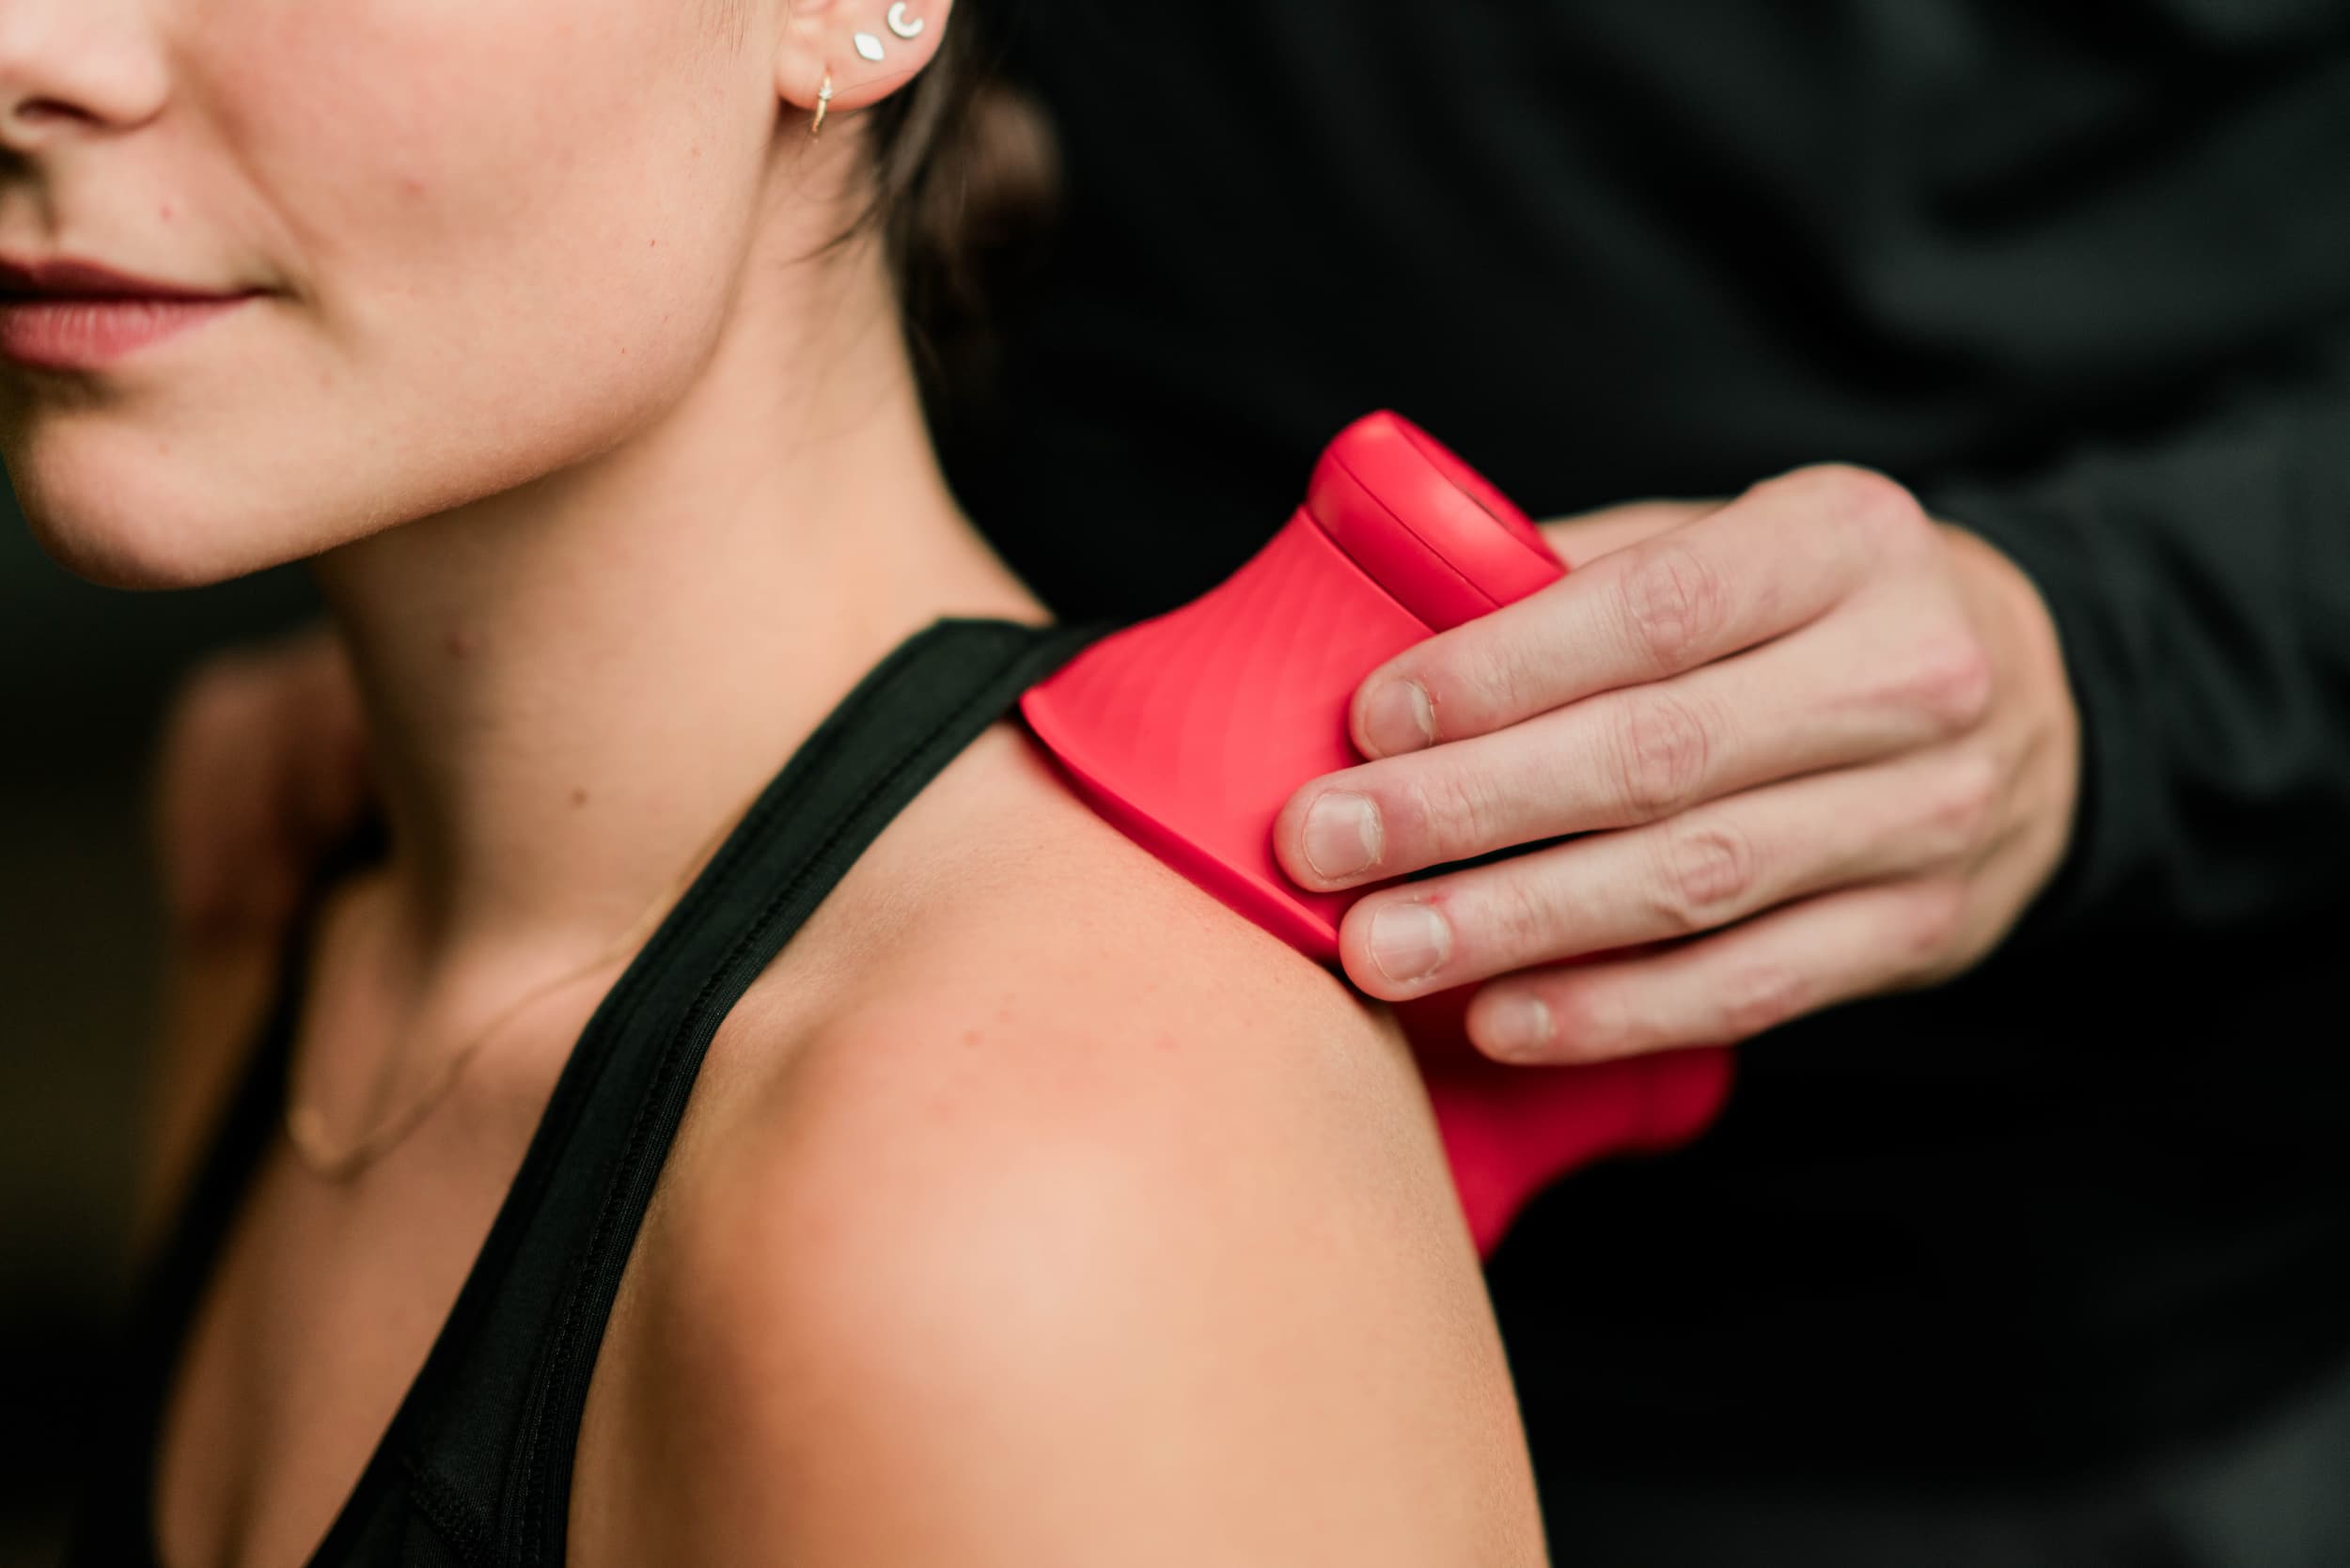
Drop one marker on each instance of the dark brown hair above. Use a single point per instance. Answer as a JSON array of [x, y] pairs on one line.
[[964, 176]]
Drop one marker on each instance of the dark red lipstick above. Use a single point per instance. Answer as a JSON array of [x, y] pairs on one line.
[[69, 315]]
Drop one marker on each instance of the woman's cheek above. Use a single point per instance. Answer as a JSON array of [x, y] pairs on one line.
[[499, 247], [497, 236]]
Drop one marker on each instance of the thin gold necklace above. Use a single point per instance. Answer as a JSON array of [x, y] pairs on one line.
[[305, 1129]]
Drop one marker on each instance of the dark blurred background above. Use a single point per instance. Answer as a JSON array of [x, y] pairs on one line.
[[85, 673]]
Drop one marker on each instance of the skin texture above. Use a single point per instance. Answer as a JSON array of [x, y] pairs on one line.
[[1813, 744], [1032, 1208], [1049, 1267]]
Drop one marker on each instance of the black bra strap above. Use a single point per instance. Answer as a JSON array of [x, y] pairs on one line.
[[515, 1361]]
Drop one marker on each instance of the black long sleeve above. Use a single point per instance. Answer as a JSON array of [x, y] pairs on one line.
[[2080, 273], [2200, 584]]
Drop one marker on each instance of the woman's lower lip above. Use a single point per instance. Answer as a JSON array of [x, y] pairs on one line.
[[88, 333]]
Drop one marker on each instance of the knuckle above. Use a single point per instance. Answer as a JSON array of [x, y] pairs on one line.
[[1589, 1022], [1447, 813], [1965, 805], [1952, 682], [1709, 872], [1662, 753], [1673, 602], [1761, 995], [1520, 922], [1481, 677], [1934, 916], [1876, 510]]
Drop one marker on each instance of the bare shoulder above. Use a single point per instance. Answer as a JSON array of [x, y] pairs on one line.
[[1096, 1225]]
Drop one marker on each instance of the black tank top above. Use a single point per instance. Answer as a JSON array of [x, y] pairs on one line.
[[476, 1466]]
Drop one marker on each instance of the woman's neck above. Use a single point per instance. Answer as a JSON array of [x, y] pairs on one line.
[[568, 686]]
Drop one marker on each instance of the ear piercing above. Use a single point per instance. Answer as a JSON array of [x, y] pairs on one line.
[[870, 47], [824, 101]]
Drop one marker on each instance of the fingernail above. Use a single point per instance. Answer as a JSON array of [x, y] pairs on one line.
[[1398, 717], [1409, 941], [1520, 1026], [1342, 833]]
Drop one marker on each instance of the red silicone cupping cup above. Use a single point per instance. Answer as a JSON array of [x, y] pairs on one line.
[[1189, 731]]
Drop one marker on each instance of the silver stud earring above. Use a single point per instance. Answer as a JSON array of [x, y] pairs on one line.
[[900, 25], [866, 45]]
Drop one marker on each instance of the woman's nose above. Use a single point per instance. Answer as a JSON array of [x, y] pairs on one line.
[[77, 68]]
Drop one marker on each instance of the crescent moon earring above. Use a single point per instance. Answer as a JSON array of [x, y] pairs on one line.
[[900, 25]]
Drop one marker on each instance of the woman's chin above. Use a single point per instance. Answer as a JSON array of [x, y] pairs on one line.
[[122, 535], [133, 559]]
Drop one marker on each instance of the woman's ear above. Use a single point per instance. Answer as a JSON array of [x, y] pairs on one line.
[[870, 49]]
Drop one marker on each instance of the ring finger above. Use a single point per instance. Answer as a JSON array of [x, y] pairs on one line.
[[1707, 867]]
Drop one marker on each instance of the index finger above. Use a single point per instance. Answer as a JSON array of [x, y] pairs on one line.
[[1774, 559]]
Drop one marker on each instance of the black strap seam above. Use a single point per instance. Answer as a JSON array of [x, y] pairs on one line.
[[532, 1498], [561, 1121], [448, 1512], [591, 1267], [727, 869], [640, 1131]]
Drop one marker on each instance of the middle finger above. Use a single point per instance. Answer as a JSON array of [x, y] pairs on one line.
[[1818, 699]]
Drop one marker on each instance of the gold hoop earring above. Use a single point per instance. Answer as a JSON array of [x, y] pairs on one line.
[[824, 101]]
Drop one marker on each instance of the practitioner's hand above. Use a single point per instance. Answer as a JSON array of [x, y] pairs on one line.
[[1822, 746], [262, 769]]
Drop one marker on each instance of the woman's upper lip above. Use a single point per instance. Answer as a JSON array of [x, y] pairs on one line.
[[62, 278]]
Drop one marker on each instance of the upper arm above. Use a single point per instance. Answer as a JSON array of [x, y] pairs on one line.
[[1128, 1256]]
